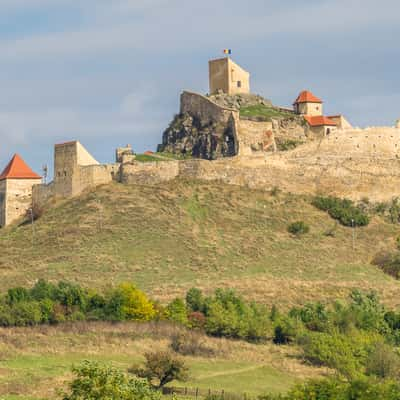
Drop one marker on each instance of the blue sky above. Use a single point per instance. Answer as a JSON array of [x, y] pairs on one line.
[[110, 73]]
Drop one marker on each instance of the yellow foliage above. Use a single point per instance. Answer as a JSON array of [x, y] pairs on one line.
[[136, 305]]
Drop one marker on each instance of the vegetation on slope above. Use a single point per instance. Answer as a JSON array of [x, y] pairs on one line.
[[183, 234], [264, 112]]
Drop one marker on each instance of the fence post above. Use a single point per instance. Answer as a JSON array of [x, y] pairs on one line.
[[222, 394], [197, 392], [185, 390], [209, 392]]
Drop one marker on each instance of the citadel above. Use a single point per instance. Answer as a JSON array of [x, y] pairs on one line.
[[221, 137]]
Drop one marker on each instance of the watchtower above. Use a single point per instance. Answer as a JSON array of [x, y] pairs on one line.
[[228, 77]]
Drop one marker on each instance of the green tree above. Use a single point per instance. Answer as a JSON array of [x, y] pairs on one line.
[[161, 368], [177, 312], [96, 382]]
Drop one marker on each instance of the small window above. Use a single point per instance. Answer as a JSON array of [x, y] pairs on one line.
[[65, 173], [239, 84]]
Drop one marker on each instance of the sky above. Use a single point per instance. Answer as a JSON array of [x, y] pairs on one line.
[[110, 72]]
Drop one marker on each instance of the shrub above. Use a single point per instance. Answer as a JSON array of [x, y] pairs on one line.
[[162, 368], [342, 210], [332, 350], [298, 228], [286, 330], [383, 362], [97, 382], [190, 343], [389, 263]]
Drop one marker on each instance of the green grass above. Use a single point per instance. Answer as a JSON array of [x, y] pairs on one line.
[[37, 362], [182, 234], [161, 156], [264, 112]]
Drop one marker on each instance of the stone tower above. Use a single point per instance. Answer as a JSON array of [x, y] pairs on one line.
[[16, 182], [228, 77]]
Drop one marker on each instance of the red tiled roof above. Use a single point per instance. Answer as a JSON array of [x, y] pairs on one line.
[[18, 169], [307, 97], [319, 120]]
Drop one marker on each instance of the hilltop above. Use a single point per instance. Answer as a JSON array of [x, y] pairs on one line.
[[182, 233]]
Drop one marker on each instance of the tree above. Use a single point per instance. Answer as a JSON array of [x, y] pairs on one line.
[[162, 367], [96, 382], [177, 311], [129, 303]]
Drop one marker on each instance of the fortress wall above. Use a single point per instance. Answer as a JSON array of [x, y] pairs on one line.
[[42, 194], [251, 135], [149, 173], [205, 110], [94, 175]]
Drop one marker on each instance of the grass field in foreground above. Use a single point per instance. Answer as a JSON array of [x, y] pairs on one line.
[[37, 361], [180, 234]]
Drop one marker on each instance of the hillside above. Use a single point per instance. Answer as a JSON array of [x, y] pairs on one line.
[[183, 234]]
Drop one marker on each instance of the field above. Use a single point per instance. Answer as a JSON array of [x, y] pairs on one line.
[[183, 234], [37, 361]]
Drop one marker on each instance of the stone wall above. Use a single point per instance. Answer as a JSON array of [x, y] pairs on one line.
[[150, 173], [205, 110]]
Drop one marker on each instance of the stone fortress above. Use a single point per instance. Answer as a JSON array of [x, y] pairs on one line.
[[298, 149]]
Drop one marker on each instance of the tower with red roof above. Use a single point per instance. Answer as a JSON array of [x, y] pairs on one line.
[[308, 104], [16, 182]]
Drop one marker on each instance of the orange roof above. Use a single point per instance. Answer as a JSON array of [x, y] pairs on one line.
[[307, 97], [319, 120], [18, 169]]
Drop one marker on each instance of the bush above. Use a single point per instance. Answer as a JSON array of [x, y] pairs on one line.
[[342, 210], [190, 344], [389, 263], [298, 228], [383, 362], [332, 350], [162, 367], [97, 382]]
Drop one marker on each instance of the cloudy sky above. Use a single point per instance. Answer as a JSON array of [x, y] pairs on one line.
[[109, 72]]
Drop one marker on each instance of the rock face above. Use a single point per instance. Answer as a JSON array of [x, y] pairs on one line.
[[203, 129], [188, 135]]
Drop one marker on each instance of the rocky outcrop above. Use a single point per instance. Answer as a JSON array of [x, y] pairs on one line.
[[203, 129]]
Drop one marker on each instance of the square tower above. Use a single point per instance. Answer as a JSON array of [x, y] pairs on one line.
[[227, 76]]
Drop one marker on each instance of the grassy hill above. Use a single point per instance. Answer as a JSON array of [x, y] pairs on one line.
[[183, 234]]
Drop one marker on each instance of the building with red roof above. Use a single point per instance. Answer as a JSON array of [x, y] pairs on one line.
[[16, 182], [308, 104]]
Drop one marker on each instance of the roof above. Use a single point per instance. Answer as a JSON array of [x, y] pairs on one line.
[[307, 97], [18, 169], [319, 120]]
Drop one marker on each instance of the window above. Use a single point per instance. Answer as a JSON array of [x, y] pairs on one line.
[[239, 84]]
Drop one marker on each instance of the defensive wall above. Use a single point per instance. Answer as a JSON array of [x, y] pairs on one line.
[[352, 163]]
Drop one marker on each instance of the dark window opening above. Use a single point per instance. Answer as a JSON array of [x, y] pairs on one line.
[[239, 84]]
